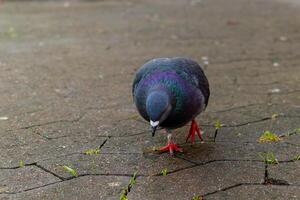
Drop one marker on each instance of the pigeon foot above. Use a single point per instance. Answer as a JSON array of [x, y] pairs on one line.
[[171, 147], [194, 128]]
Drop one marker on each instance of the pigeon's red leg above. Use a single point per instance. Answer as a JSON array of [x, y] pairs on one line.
[[171, 146], [194, 128]]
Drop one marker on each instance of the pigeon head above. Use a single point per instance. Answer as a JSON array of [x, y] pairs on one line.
[[158, 106]]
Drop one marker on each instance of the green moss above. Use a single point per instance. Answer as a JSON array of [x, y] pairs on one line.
[[164, 172], [70, 170], [218, 125], [269, 158], [268, 136], [197, 197], [274, 116], [125, 192], [92, 152], [21, 164]]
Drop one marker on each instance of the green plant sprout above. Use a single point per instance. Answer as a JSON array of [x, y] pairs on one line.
[[164, 172], [21, 164], [297, 158], [274, 116], [92, 151], [12, 32], [70, 170], [133, 117], [268, 136], [197, 197], [133, 179], [218, 126], [125, 192], [123, 196], [269, 158]]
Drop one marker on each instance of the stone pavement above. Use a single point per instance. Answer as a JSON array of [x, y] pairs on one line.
[[66, 70]]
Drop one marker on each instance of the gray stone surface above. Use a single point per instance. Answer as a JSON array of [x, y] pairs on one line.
[[197, 180], [66, 69], [88, 187], [107, 163], [22, 179], [288, 172], [258, 192]]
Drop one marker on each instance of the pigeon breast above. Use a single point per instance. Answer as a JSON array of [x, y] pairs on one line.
[[180, 77]]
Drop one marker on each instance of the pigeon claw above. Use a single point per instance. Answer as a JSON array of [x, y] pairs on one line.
[[171, 147], [193, 130]]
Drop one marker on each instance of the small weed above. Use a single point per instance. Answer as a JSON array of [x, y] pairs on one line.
[[133, 179], [164, 172], [218, 125], [133, 117], [123, 196], [274, 116], [268, 136], [11, 32], [197, 197], [21, 164], [92, 152], [269, 158], [297, 158], [70, 170], [131, 183]]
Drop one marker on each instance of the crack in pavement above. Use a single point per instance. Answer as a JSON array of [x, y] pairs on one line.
[[104, 142], [229, 187], [17, 167], [290, 133], [68, 179], [196, 164], [240, 124], [145, 131], [33, 188], [251, 122], [267, 180], [49, 172], [245, 184], [52, 158], [47, 123], [69, 154]]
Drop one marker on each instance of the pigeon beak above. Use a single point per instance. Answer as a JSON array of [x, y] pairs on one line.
[[154, 126]]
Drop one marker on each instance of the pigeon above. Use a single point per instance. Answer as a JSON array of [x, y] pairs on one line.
[[169, 93]]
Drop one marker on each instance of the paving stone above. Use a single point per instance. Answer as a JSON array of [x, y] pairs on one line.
[[258, 192], [22, 179], [251, 132], [66, 71], [17, 146], [141, 142], [112, 163], [205, 152], [286, 172], [87, 187], [91, 128], [6, 197], [184, 185]]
